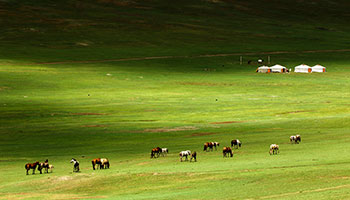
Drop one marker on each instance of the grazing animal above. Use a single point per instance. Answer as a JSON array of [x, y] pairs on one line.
[[156, 152], [76, 165], [298, 139], [274, 149], [96, 161], [216, 144], [236, 143], [44, 165], [184, 154], [51, 167], [227, 150], [104, 163], [292, 139], [164, 151], [29, 166], [208, 146], [194, 156], [295, 138]]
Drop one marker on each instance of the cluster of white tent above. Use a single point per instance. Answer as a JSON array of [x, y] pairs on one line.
[[298, 69]]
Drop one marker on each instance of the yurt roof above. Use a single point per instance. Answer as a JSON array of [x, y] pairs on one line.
[[278, 66], [318, 66], [302, 66], [264, 67]]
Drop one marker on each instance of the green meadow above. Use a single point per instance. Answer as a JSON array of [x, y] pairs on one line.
[[70, 87]]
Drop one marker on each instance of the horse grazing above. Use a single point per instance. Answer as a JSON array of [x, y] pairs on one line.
[[164, 151], [29, 166], [194, 156], [104, 163], [44, 165], [96, 161], [236, 143], [76, 165], [292, 139], [274, 149], [295, 138], [216, 144], [227, 150], [184, 154], [156, 152], [298, 139], [208, 145]]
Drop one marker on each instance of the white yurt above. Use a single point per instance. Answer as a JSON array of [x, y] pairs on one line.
[[318, 68], [263, 69], [302, 69], [278, 69]]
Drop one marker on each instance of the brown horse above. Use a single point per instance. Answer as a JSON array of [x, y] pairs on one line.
[[208, 146], [194, 156], [29, 166], [96, 161], [156, 152], [227, 150]]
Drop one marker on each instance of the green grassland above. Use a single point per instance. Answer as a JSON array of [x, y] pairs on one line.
[[122, 109]]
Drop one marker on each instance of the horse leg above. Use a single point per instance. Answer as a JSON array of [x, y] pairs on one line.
[[27, 171]]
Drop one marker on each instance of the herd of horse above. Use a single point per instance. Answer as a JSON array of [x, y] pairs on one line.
[[97, 163], [103, 163], [45, 165]]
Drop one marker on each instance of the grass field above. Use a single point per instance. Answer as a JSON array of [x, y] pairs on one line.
[[123, 109]]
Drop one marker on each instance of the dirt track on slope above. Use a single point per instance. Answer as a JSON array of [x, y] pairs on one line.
[[195, 56]]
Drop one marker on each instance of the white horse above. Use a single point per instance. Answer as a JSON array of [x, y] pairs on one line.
[[293, 139], [274, 148], [51, 167], [104, 163], [184, 154], [76, 165], [216, 144], [164, 151]]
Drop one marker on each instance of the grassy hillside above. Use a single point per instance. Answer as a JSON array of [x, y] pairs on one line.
[[105, 29], [122, 109]]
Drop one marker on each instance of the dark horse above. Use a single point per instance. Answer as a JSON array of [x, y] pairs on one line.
[[156, 152], [227, 150], [194, 156], [96, 161], [29, 166], [44, 165]]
